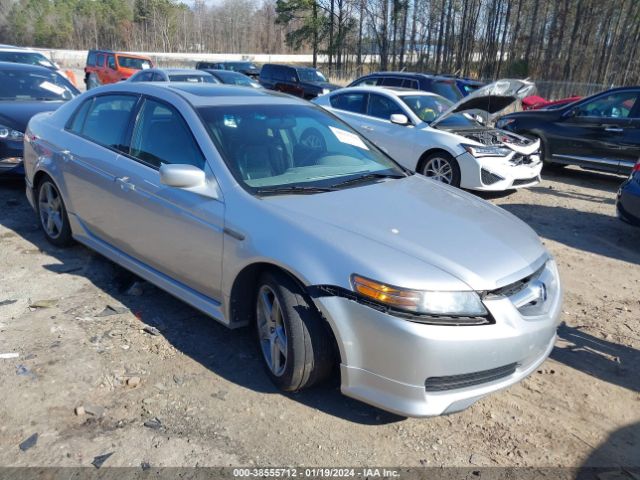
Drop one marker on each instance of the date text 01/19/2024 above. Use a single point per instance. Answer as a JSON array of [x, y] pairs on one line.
[[293, 472]]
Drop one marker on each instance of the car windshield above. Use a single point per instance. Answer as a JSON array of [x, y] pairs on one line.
[[190, 77], [430, 107], [134, 63], [233, 78], [289, 147], [447, 89], [310, 75], [29, 85], [29, 58]]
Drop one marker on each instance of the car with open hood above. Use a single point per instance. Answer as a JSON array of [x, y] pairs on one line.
[[26, 90], [447, 142], [427, 297]]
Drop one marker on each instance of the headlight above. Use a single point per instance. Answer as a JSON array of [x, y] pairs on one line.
[[325, 91], [7, 133], [466, 304], [487, 151], [503, 122]]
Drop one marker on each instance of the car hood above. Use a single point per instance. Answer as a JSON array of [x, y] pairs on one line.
[[491, 98], [16, 114], [480, 244]]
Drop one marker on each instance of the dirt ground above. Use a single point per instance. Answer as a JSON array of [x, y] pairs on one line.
[[190, 392]]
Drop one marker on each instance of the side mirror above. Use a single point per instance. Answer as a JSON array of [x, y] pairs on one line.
[[181, 176], [399, 119]]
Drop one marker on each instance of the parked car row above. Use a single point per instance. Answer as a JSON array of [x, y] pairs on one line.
[[307, 221]]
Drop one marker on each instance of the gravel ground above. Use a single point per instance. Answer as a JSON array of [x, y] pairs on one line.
[[155, 381]]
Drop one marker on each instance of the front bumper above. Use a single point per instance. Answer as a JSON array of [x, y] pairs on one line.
[[628, 201], [11, 158], [497, 174], [386, 360]]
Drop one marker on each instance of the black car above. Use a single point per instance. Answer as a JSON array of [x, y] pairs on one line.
[[304, 82], [628, 202], [249, 69], [232, 78], [601, 132], [24, 91], [443, 86]]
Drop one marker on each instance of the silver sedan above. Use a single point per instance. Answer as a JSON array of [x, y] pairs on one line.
[[261, 209]]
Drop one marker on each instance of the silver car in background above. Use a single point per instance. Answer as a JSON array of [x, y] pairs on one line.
[[428, 297]]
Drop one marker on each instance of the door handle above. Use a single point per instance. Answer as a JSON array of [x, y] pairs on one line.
[[125, 184], [614, 129]]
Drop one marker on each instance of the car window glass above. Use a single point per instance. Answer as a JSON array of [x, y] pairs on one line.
[[92, 59], [100, 62], [615, 105], [290, 145], [428, 107], [111, 62], [447, 89], [108, 120], [392, 82], [161, 136], [408, 83], [351, 102], [79, 117], [366, 81], [382, 107]]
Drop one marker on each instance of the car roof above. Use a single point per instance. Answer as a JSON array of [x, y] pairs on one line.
[[408, 75], [13, 48], [177, 70], [396, 91], [23, 66], [205, 94]]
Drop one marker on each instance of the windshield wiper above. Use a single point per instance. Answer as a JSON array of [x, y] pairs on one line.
[[366, 178], [295, 189]]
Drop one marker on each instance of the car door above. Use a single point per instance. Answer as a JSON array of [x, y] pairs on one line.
[[398, 141], [96, 138], [178, 232], [600, 133], [289, 82], [101, 71]]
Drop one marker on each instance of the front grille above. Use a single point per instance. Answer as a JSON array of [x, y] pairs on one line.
[[453, 382], [524, 181], [489, 178], [519, 159]]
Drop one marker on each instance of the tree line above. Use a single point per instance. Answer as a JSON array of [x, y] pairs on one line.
[[587, 41]]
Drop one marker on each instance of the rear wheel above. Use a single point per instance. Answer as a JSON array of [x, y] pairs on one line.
[[442, 167], [293, 339], [53, 214]]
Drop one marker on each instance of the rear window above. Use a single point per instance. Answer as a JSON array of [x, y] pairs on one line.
[[107, 120], [192, 78], [392, 82], [91, 59]]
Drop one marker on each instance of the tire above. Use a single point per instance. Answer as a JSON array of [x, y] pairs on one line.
[[53, 214], [293, 340], [441, 167]]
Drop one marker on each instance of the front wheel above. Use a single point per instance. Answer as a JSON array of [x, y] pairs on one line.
[[442, 167], [294, 342], [53, 214]]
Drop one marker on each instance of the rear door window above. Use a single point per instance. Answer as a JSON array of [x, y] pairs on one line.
[[161, 136], [100, 61], [369, 81], [111, 62], [392, 82], [108, 119], [409, 83], [351, 102]]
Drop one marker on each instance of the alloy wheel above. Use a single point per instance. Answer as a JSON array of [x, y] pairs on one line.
[[439, 169], [271, 329], [50, 208]]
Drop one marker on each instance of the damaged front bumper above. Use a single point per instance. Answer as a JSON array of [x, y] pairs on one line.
[[499, 173]]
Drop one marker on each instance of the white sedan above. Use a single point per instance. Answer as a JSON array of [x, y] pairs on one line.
[[447, 142]]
